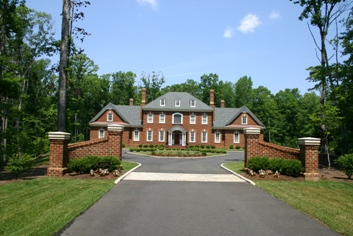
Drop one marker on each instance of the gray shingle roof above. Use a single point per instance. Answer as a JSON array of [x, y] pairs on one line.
[[224, 116], [170, 103], [130, 114]]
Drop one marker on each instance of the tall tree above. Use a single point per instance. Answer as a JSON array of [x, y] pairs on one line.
[[123, 87], [153, 84], [244, 92]]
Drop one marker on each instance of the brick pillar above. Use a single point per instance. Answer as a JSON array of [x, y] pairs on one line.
[[252, 136], [59, 157], [115, 135], [309, 155]]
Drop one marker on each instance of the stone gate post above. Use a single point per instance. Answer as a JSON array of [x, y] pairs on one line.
[[252, 136], [115, 133], [58, 158], [309, 155]]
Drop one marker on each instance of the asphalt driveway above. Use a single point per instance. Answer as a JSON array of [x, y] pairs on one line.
[[167, 207]]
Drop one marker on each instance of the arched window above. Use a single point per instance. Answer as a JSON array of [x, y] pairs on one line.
[[177, 118]]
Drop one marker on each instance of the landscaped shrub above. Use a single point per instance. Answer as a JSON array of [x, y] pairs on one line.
[[123, 145], [145, 146], [140, 145], [276, 164], [258, 163], [151, 145], [237, 147], [213, 147], [231, 146], [292, 167], [345, 163], [19, 165], [202, 146], [85, 164], [208, 146]]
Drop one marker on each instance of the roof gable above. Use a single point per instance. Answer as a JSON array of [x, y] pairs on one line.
[[225, 116]]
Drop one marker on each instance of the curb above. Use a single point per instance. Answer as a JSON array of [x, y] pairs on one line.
[[240, 176], [127, 173]]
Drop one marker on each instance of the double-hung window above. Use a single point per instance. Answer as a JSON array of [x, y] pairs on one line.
[[162, 102], [217, 137], [177, 102], [162, 118], [150, 118], [192, 103], [161, 136], [192, 119], [204, 137], [244, 120], [236, 137], [136, 135], [110, 116], [192, 137], [149, 136], [204, 119], [101, 133]]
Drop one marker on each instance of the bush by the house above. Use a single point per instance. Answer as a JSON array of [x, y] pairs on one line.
[[237, 147], [231, 146], [345, 163], [276, 164], [258, 163], [85, 164], [19, 165]]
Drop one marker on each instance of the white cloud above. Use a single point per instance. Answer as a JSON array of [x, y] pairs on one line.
[[249, 23], [274, 15], [228, 32], [151, 3]]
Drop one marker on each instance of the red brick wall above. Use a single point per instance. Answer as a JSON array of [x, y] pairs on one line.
[[58, 158], [274, 150]]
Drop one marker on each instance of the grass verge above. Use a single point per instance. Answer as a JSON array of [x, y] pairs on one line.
[[331, 202], [44, 206]]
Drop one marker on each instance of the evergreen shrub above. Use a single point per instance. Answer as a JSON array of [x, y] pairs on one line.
[[19, 165], [345, 163]]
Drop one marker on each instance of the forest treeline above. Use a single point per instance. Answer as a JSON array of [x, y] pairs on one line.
[[29, 90]]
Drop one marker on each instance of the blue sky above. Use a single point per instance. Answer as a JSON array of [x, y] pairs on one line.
[[185, 39]]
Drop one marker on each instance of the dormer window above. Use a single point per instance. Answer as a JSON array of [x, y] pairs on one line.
[[244, 120], [110, 116], [177, 102], [162, 102], [192, 103]]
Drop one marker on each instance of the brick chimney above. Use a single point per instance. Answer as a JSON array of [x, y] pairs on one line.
[[131, 102], [143, 101], [212, 98], [222, 103]]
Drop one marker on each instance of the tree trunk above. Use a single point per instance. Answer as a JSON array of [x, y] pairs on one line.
[[64, 53]]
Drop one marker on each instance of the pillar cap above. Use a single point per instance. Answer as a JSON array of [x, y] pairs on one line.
[[252, 130], [115, 127], [309, 141], [59, 135]]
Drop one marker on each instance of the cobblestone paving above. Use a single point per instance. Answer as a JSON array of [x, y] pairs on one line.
[[150, 176]]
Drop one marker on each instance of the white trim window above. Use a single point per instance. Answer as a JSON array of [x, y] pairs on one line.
[[203, 137], [217, 137], [136, 135], [236, 137], [192, 103], [193, 119], [177, 118], [101, 133], [204, 119], [177, 102], [162, 102], [192, 136], [161, 136], [162, 118], [110, 116], [149, 118], [244, 120], [149, 136]]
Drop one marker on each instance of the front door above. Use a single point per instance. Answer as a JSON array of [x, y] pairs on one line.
[[177, 137]]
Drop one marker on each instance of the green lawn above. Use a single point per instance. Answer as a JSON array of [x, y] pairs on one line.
[[43, 206], [330, 202]]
